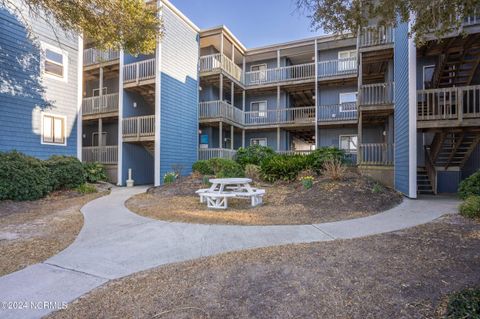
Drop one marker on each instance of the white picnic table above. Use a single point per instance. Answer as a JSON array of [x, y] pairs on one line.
[[223, 188]]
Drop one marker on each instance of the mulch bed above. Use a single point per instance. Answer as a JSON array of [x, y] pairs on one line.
[[404, 274], [284, 203], [32, 231]]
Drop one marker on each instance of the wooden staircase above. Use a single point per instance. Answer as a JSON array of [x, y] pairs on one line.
[[424, 185], [453, 148], [150, 147]]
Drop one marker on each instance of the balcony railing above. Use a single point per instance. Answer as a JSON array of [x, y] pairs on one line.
[[293, 115], [373, 36], [377, 94], [139, 126], [208, 153], [376, 154], [337, 112], [100, 104], [453, 103], [286, 73], [295, 152], [139, 71], [220, 109], [100, 154], [217, 61], [94, 56], [472, 19], [337, 67]]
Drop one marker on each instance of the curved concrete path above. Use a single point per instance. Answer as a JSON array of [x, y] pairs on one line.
[[115, 242]]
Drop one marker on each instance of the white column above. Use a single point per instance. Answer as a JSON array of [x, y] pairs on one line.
[[412, 115], [232, 133], [316, 95], [220, 135], [243, 69], [278, 139], [220, 91], [232, 94], [100, 130], [158, 105], [120, 121], [278, 58], [243, 138], [100, 83], [221, 45], [80, 88]]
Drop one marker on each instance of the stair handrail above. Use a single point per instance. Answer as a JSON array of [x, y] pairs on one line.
[[430, 169]]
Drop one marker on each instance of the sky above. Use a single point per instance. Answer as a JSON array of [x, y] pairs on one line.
[[254, 22]]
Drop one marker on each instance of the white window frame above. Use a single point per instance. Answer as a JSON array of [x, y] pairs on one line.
[[340, 143], [105, 91], [258, 139], [96, 138], [262, 74], [64, 118], [64, 54], [342, 109], [346, 65], [423, 73], [260, 113]]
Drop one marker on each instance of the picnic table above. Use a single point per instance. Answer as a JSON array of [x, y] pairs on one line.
[[224, 188]]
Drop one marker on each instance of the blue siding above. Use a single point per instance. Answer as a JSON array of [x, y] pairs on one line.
[[447, 181], [136, 157], [473, 163]]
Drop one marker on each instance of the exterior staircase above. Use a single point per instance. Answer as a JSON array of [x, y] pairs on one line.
[[150, 147], [454, 148], [424, 186]]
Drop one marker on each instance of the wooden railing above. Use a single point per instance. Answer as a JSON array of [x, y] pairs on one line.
[[377, 94], [372, 36], [94, 56], [138, 71], [455, 103], [295, 152], [220, 109], [285, 73], [213, 62], [100, 104], [100, 154], [207, 153], [293, 115], [376, 154], [337, 112], [337, 67], [138, 126]]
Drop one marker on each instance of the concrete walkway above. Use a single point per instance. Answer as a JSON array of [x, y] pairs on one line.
[[115, 242]]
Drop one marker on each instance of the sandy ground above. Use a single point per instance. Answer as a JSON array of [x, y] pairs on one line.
[[283, 204], [404, 274], [33, 231]]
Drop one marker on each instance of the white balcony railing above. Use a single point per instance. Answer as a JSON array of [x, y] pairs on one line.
[[472, 19], [208, 153], [94, 56], [139, 71], [376, 154], [337, 112], [138, 126], [217, 61], [100, 154], [293, 115], [453, 103], [376, 35], [377, 94], [100, 104], [295, 152], [220, 109], [337, 67], [286, 73]]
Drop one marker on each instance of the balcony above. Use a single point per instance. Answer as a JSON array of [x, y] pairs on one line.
[[378, 94], [208, 153], [376, 154], [472, 19], [220, 110], [94, 56], [299, 72], [376, 36], [217, 62], [138, 128], [100, 154], [107, 103], [290, 116], [337, 68], [139, 73], [345, 112]]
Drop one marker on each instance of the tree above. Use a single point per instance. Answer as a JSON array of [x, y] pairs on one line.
[[131, 25], [341, 16]]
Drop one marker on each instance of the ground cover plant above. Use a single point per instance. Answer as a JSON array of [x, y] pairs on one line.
[[470, 186]]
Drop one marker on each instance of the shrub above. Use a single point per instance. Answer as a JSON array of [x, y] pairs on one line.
[[202, 167], [67, 172], [283, 167], [307, 182], [464, 304], [318, 157], [86, 189], [23, 177], [206, 180], [377, 188], [470, 186], [252, 171], [94, 172], [471, 207], [170, 178], [224, 168], [253, 154], [334, 169]]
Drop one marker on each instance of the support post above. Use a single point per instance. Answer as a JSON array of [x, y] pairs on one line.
[[220, 135], [220, 93], [100, 130], [359, 137], [231, 136], [243, 100], [232, 94], [100, 88], [243, 138], [243, 69], [316, 94], [278, 138]]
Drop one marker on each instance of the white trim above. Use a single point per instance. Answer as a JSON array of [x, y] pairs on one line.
[[340, 142], [96, 133], [412, 116], [260, 64], [341, 103], [345, 51], [46, 46], [105, 88], [315, 47], [120, 121], [158, 104], [423, 73], [79, 97], [64, 118], [266, 108], [259, 139]]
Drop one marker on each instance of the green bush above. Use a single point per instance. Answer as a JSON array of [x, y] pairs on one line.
[[86, 189], [223, 168], [23, 177], [170, 178], [253, 154], [94, 172], [252, 172], [464, 305], [471, 207], [283, 167], [66, 171], [320, 156], [470, 186], [202, 167]]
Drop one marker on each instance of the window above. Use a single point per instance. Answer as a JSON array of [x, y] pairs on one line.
[[428, 71], [347, 60], [53, 129], [259, 141], [348, 143], [347, 101], [96, 92], [95, 139], [55, 62], [261, 72], [260, 107]]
